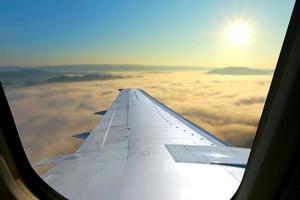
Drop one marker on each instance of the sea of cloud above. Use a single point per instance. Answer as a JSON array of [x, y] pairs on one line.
[[48, 115]]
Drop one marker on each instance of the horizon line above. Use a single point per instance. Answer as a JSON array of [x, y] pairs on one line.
[[137, 65]]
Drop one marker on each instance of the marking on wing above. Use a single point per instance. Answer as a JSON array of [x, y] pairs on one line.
[[48, 177], [106, 133], [135, 94]]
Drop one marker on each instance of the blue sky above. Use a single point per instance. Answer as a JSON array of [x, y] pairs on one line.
[[166, 32]]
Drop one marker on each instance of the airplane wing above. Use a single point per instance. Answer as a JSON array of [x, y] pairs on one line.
[[141, 150]]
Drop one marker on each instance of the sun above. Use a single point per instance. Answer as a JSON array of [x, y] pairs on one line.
[[238, 32]]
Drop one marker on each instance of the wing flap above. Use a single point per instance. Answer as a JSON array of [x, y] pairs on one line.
[[55, 160], [229, 156]]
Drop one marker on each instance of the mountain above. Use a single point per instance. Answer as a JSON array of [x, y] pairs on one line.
[[85, 77], [36, 76], [24, 75], [240, 71]]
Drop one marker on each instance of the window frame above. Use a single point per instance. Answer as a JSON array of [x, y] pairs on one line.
[[273, 166]]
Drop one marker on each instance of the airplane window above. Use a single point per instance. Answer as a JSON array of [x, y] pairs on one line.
[[204, 69]]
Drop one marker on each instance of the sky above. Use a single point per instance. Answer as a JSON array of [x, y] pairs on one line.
[[150, 32]]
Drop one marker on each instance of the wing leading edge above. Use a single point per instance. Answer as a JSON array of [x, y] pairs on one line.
[[142, 149]]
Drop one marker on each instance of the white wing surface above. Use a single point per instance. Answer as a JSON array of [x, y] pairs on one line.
[[143, 150]]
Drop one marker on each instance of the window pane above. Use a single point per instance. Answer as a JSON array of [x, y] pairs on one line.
[[210, 61]]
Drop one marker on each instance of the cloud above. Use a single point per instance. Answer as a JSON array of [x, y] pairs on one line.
[[48, 115], [251, 100], [106, 93]]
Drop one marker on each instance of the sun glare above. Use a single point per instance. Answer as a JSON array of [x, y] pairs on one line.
[[238, 33]]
